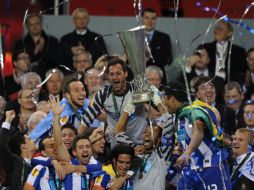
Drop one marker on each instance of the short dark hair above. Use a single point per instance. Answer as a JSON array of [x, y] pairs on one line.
[[88, 132], [67, 85], [115, 61], [41, 145], [231, 85], [17, 52], [122, 149], [200, 47], [76, 139], [33, 15], [69, 126], [15, 141], [249, 51], [150, 10], [248, 102], [177, 90], [201, 80]]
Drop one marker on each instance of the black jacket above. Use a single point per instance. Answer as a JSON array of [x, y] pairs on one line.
[[15, 167], [96, 47], [44, 60], [238, 64]]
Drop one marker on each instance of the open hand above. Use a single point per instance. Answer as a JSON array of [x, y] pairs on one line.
[[55, 105]]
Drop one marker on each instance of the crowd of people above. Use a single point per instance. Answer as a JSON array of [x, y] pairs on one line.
[[81, 130]]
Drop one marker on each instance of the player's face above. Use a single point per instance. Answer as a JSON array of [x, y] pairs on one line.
[[122, 164], [170, 103], [240, 143], [83, 151], [149, 20], [50, 149], [249, 115], [98, 146], [30, 145], [117, 78], [233, 98], [67, 137], [81, 20], [149, 140], [76, 95], [206, 93]]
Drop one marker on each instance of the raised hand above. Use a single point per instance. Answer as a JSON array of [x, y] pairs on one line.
[[10, 115], [55, 105], [156, 96]]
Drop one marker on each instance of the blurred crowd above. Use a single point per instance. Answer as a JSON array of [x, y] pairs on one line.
[[68, 119]]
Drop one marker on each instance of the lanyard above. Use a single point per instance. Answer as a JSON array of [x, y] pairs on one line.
[[58, 186], [117, 111], [77, 114], [236, 171]]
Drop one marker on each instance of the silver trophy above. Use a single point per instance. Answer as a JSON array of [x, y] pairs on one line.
[[135, 47]]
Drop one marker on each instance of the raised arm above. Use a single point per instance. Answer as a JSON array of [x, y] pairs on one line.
[[196, 139], [119, 130], [62, 152]]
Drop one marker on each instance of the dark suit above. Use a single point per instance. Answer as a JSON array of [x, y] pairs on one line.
[[161, 50], [15, 167], [238, 64], [217, 81], [232, 121], [44, 60], [96, 48]]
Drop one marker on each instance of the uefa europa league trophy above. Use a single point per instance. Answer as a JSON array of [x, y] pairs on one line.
[[134, 45]]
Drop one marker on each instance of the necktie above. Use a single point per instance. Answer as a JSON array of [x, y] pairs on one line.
[[149, 37]]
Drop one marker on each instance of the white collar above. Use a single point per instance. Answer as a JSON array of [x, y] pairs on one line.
[[28, 161], [240, 158], [81, 33], [149, 32], [205, 72], [250, 128]]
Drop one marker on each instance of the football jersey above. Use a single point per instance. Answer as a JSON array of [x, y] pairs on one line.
[[44, 178]]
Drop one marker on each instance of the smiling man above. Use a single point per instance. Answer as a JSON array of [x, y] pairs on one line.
[[112, 99], [242, 174], [75, 105]]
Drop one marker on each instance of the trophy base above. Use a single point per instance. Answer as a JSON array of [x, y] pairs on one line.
[[141, 97]]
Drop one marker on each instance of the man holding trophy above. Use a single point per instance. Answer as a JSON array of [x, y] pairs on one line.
[[114, 97]]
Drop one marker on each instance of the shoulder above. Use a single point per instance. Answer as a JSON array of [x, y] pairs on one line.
[[93, 161], [91, 33], [109, 170], [161, 34], [68, 35], [238, 48], [38, 170]]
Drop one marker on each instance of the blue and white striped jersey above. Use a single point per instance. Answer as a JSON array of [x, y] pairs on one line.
[[79, 181], [44, 178], [208, 153], [104, 100]]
